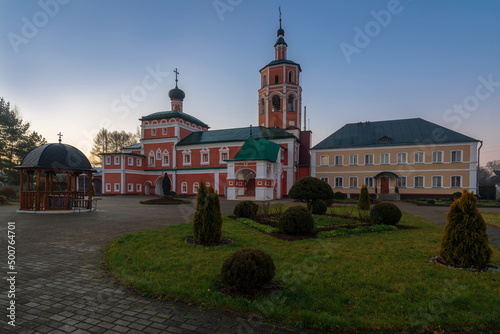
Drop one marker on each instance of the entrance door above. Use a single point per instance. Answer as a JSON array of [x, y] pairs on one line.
[[384, 185]]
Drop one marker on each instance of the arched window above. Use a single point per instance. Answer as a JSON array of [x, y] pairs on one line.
[[276, 103], [276, 79], [195, 187], [291, 103], [184, 187], [262, 107], [290, 76], [264, 81]]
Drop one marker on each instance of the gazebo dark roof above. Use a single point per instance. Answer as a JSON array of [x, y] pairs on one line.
[[57, 157]]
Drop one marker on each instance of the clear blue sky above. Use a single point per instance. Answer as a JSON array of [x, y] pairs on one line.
[[67, 66]]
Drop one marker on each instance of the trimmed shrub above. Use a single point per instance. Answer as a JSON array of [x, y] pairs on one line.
[[465, 242], [296, 220], [3, 200], [328, 202], [338, 195], [455, 195], [310, 189], [364, 199], [431, 201], [319, 207], [207, 221], [8, 193], [385, 213], [246, 209], [247, 270]]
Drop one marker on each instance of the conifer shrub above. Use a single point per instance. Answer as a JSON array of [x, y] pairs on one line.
[[455, 195], [338, 195], [247, 270], [8, 193], [364, 199], [385, 213], [246, 209], [319, 207], [296, 220], [207, 221], [3, 199], [431, 202], [465, 242]]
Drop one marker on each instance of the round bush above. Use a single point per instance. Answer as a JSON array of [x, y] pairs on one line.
[[296, 220], [455, 195], [3, 200], [431, 201], [338, 195], [8, 192], [319, 207], [386, 213], [246, 209], [246, 270]]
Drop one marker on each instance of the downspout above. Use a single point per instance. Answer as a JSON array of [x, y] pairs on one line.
[[478, 166]]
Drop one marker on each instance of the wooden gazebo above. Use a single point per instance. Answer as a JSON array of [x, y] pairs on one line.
[[39, 188]]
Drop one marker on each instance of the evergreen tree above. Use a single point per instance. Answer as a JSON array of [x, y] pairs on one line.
[[465, 242], [364, 199], [207, 221]]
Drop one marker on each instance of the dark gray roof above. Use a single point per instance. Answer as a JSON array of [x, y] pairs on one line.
[[412, 131], [230, 135], [280, 41], [133, 146], [57, 157], [282, 61], [173, 114]]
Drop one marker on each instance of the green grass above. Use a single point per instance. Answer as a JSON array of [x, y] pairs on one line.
[[373, 281], [342, 232], [491, 218], [447, 202]]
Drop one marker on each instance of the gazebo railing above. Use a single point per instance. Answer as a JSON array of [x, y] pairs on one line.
[[52, 200]]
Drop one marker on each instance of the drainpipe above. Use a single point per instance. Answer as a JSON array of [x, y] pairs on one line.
[[478, 166]]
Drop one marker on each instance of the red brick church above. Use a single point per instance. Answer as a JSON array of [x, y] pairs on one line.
[[258, 163]]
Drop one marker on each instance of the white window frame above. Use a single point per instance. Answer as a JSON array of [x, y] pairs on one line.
[[325, 179], [138, 187], [341, 158], [205, 153], [130, 187], [153, 132], [353, 159], [222, 151], [418, 154], [459, 180], [130, 161], [341, 179], [353, 184], [165, 155], [435, 155], [460, 152], [369, 159], [108, 187], [415, 181], [186, 158], [437, 177], [117, 187], [400, 183], [388, 155], [207, 184], [400, 158], [184, 187], [107, 160], [369, 182], [324, 160], [196, 186], [117, 160], [139, 162], [151, 159], [164, 131]]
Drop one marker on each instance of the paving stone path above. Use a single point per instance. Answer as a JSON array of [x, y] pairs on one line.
[[62, 288]]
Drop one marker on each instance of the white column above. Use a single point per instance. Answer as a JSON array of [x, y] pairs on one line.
[[122, 190]]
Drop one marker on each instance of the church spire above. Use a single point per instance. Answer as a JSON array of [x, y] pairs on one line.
[[280, 46], [176, 95]]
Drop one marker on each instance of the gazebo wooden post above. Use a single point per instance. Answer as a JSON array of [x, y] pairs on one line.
[[68, 190], [89, 190], [37, 201], [21, 197], [46, 195]]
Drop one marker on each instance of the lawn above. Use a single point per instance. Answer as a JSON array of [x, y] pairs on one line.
[[491, 218], [374, 281], [447, 202]]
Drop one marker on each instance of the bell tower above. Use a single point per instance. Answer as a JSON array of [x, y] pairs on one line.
[[280, 95]]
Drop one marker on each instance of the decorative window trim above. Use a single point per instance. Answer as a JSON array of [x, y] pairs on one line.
[[435, 155], [341, 160], [369, 181], [388, 158], [368, 157], [138, 187], [117, 160], [205, 153], [196, 186], [353, 184], [184, 187], [400, 160], [437, 177], [139, 162], [400, 183], [461, 156], [452, 183], [415, 181], [167, 156], [222, 151], [186, 157], [130, 161], [108, 187], [415, 154], [117, 187], [353, 159], [164, 131], [339, 184], [151, 159], [130, 187], [326, 158], [107, 161], [153, 132]]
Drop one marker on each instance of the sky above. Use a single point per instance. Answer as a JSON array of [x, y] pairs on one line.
[[75, 66]]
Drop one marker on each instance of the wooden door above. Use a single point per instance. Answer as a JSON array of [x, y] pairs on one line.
[[384, 185]]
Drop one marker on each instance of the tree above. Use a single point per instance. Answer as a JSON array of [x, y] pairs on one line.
[[487, 175], [16, 140], [310, 189], [465, 242], [207, 221], [110, 142], [364, 199]]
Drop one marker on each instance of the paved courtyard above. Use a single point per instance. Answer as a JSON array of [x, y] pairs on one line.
[[61, 287]]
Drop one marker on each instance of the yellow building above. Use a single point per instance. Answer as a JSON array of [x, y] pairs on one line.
[[397, 159]]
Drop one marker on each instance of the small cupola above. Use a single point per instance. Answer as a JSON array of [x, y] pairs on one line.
[[176, 95]]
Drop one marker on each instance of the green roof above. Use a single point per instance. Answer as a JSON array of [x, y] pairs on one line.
[[174, 114], [260, 149], [231, 135], [412, 131]]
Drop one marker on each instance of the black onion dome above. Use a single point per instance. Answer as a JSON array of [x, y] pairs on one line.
[[56, 156], [281, 32], [280, 41], [176, 93]]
